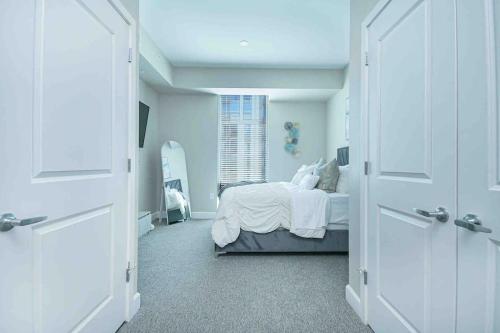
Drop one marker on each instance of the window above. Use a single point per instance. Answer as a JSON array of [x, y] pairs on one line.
[[242, 138]]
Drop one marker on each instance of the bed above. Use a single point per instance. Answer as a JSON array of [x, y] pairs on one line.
[[335, 238]]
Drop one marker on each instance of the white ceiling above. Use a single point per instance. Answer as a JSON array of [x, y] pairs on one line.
[[281, 33]]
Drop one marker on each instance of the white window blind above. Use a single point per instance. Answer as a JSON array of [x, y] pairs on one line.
[[242, 138]]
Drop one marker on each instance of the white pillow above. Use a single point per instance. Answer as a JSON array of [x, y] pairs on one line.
[[321, 162], [303, 170], [308, 182], [299, 174], [343, 182]]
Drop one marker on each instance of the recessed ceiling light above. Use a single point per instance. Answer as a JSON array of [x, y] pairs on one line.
[[244, 43]]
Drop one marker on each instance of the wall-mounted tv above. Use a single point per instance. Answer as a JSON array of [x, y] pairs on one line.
[[143, 122]]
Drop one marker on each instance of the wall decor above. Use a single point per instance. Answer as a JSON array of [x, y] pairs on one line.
[[292, 138]]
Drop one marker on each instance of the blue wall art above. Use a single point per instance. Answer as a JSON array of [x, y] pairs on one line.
[[292, 138]]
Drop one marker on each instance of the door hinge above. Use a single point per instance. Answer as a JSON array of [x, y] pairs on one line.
[[129, 165], [367, 167], [129, 54], [366, 58], [128, 272], [365, 275]]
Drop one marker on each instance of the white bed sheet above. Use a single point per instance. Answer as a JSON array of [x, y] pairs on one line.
[[262, 208], [338, 211]]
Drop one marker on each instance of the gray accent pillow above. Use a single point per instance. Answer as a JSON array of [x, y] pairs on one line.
[[328, 176]]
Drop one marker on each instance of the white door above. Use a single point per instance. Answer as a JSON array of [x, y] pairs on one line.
[[64, 94], [478, 291], [412, 150]]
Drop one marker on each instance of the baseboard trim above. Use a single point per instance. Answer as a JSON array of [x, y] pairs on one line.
[[202, 215], [353, 300], [194, 215], [134, 307]]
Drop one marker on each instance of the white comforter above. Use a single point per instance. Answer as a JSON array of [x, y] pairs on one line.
[[263, 208]]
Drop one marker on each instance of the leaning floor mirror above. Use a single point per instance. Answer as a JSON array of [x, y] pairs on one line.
[[174, 202]]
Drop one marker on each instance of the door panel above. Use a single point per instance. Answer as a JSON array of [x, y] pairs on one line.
[[412, 149], [71, 62], [64, 101], [478, 289], [82, 263], [405, 144], [402, 234]]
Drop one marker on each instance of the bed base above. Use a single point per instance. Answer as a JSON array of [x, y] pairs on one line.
[[283, 241]]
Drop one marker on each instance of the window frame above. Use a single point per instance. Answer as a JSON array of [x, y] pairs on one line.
[[219, 127]]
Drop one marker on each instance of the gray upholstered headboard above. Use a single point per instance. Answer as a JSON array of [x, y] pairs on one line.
[[343, 155]]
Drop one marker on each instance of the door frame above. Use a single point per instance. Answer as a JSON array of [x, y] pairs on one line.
[[365, 156], [133, 298]]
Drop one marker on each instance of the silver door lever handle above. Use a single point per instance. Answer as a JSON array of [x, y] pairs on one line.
[[440, 214], [9, 221], [472, 223]]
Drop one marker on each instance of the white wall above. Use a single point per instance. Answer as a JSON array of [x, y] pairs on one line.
[[202, 77], [335, 121], [149, 157], [312, 141], [191, 120], [152, 54], [359, 10]]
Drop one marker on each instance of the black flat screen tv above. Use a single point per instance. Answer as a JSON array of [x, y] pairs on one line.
[[143, 122]]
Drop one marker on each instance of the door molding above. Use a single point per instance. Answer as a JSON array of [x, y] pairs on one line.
[[493, 178], [133, 298]]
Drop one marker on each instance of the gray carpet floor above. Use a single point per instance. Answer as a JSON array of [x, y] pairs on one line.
[[185, 288]]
